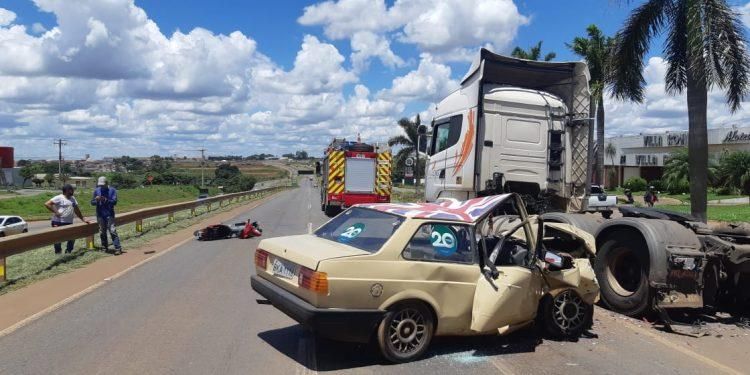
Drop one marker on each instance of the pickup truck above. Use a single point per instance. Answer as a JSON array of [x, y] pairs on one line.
[[599, 201]]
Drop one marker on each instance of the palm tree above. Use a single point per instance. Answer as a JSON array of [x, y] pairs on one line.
[[734, 171], [704, 48], [611, 151], [677, 172], [595, 49], [534, 53], [408, 142]]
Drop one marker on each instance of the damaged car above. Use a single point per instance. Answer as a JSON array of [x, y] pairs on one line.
[[401, 274]]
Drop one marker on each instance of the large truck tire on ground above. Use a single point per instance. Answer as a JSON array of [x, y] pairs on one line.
[[525, 127], [352, 173], [653, 260]]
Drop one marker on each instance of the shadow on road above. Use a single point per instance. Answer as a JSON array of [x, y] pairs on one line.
[[298, 344]]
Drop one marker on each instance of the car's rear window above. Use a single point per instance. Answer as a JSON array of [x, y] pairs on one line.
[[361, 228]]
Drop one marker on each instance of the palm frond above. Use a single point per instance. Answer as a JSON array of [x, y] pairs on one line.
[[729, 49], [399, 140], [675, 49], [631, 45]]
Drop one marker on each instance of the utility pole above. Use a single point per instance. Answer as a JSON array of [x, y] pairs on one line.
[[59, 143]]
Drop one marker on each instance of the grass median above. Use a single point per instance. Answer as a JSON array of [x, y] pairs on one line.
[[31, 266], [733, 213]]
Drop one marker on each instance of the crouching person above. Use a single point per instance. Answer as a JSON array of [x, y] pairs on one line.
[[105, 199]]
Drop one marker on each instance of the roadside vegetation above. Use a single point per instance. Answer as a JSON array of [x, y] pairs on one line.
[[32, 207]]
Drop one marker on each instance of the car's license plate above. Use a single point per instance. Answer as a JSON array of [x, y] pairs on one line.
[[285, 269]]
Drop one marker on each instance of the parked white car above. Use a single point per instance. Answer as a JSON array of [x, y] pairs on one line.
[[10, 225], [600, 202]]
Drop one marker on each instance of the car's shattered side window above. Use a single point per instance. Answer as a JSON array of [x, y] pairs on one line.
[[361, 228], [442, 243]]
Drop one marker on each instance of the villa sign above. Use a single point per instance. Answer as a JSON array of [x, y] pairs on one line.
[[735, 136]]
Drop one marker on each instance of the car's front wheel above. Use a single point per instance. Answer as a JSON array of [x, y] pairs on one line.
[[405, 332], [566, 314]]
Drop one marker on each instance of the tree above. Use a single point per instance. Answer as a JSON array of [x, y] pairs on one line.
[[611, 151], [407, 142], [705, 47], [301, 155], [49, 178], [595, 49], [734, 171], [159, 164], [534, 53], [226, 171], [677, 172], [27, 172]]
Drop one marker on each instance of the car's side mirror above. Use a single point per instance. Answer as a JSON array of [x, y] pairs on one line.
[[557, 262]]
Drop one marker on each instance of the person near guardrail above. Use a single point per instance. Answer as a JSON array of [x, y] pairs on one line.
[[105, 199], [63, 206]]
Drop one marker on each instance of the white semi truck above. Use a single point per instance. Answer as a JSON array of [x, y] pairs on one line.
[[524, 126]]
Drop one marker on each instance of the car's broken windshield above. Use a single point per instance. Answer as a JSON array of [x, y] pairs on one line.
[[361, 228]]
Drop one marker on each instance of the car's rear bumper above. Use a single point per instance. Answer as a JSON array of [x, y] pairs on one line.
[[337, 324]]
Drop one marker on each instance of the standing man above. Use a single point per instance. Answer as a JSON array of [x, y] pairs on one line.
[[105, 199], [63, 206]]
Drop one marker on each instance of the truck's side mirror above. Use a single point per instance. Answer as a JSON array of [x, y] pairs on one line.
[[422, 130]]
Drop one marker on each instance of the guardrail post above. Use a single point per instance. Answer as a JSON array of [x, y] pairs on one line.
[[90, 242], [2, 269], [192, 212], [171, 217], [139, 226], [208, 207]]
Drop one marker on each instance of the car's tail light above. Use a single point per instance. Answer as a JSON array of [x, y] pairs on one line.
[[261, 258], [312, 280]]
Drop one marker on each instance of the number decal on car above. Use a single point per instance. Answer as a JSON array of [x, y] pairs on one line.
[[443, 240], [352, 232]]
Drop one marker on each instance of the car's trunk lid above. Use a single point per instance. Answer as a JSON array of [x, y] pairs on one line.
[[307, 250]]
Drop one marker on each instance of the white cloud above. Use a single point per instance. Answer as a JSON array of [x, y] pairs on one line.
[[660, 111], [6, 17], [431, 81], [366, 45], [38, 28], [744, 12], [451, 30]]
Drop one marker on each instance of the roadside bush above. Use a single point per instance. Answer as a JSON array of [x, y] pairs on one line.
[[238, 184], [734, 171], [725, 190], [124, 180], [635, 184]]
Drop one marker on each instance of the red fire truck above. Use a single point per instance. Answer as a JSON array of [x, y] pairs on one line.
[[354, 172]]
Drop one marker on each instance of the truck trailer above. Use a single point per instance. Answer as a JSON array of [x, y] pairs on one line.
[[352, 173], [525, 127]]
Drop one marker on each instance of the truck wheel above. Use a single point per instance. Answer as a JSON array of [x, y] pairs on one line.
[[621, 268], [606, 214], [331, 210], [405, 332], [566, 315]]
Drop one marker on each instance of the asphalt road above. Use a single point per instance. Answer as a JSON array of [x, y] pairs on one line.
[[192, 311]]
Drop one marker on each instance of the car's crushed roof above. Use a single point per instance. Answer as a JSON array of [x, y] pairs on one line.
[[467, 211]]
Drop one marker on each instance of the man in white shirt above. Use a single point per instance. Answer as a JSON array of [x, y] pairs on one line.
[[63, 206]]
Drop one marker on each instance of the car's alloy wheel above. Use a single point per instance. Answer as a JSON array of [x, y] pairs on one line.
[[405, 332], [569, 311]]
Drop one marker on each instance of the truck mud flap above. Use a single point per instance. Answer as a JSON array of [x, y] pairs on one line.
[[684, 283]]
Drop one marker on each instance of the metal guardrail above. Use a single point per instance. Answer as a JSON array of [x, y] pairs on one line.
[[21, 243]]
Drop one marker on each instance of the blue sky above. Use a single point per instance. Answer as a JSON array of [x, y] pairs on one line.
[[240, 77]]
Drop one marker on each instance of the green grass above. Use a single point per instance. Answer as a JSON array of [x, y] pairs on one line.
[[740, 212], [31, 266], [32, 207], [407, 196]]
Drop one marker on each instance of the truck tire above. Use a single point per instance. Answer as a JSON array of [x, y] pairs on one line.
[[331, 211], [405, 332], [607, 214], [621, 268]]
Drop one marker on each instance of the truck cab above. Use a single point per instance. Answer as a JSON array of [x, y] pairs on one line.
[[513, 126]]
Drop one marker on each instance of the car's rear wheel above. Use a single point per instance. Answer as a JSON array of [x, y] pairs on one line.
[[621, 268], [406, 332], [566, 314]]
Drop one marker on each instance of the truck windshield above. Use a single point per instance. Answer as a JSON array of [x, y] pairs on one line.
[[361, 228]]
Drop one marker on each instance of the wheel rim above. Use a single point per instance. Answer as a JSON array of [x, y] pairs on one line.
[[624, 272], [407, 331], [569, 312]]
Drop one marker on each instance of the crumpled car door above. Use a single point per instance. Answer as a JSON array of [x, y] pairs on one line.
[[512, 298]]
